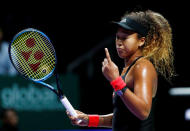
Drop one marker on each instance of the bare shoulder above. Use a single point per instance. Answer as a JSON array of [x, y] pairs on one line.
[[143, 65]]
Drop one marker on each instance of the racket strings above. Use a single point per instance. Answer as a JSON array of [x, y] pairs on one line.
[[32, 60], [19, 50], [33, 55]]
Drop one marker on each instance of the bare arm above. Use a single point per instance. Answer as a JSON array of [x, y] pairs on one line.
[[144, 75], [139, 102], [104, 120]]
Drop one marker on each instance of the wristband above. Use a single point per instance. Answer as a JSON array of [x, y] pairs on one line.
[[93, 120], [118, 84], [122, 91]]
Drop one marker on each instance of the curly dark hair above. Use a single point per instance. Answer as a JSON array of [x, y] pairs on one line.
[[158, 43]]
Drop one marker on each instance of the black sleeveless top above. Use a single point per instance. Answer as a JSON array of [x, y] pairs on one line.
[[125, 120]]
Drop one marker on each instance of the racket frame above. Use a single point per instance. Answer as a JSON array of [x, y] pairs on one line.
[[9, 50], [58, 92]]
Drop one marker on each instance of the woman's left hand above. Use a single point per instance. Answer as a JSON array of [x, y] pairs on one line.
[[109, 68]]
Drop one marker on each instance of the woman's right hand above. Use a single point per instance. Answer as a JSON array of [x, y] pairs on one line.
[[80, 116]]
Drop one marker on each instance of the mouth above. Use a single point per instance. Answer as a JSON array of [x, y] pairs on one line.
[[119, 49]]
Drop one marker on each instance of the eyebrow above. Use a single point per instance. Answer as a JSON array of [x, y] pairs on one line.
[[122, 34]]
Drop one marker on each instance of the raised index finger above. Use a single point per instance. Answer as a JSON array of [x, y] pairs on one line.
[[107, 55]]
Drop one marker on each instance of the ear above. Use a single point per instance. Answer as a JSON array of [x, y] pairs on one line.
[[141, 41]]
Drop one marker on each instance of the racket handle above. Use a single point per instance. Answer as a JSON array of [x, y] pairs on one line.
[[69, 107]]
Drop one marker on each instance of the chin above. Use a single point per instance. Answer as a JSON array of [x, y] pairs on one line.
[[121, 56]]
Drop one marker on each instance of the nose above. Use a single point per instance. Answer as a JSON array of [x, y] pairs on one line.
[[118, 42]]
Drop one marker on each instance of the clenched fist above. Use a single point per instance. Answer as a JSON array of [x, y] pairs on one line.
[[109, 68]]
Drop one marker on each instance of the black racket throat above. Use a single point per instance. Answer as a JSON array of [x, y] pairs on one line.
[[59, 90]]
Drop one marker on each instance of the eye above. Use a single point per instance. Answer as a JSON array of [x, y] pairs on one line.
[[120, 38]]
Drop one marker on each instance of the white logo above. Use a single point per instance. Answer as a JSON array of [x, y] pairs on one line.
[[29, 98], [124, 20]]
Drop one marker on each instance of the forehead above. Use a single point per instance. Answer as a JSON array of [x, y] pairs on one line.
[[124, 32]]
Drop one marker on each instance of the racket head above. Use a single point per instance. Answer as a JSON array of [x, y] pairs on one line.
[[32, 54]]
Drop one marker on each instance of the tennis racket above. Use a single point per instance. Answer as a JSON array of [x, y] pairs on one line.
[[34, 57]]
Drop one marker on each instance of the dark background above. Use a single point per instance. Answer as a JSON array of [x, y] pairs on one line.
[[81, 31]]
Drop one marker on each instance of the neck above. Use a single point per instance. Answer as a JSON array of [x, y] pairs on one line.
[[131, 58]]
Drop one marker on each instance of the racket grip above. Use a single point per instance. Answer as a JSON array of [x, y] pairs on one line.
[[69, 107]]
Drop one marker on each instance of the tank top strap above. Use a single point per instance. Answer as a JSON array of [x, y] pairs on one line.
[[130, 67]]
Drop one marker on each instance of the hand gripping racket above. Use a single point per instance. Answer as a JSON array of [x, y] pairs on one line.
[[34, 57]]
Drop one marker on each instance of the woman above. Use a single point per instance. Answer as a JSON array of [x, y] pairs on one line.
[[144, 41]]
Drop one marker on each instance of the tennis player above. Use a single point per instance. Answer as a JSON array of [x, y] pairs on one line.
[[144, 42]]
